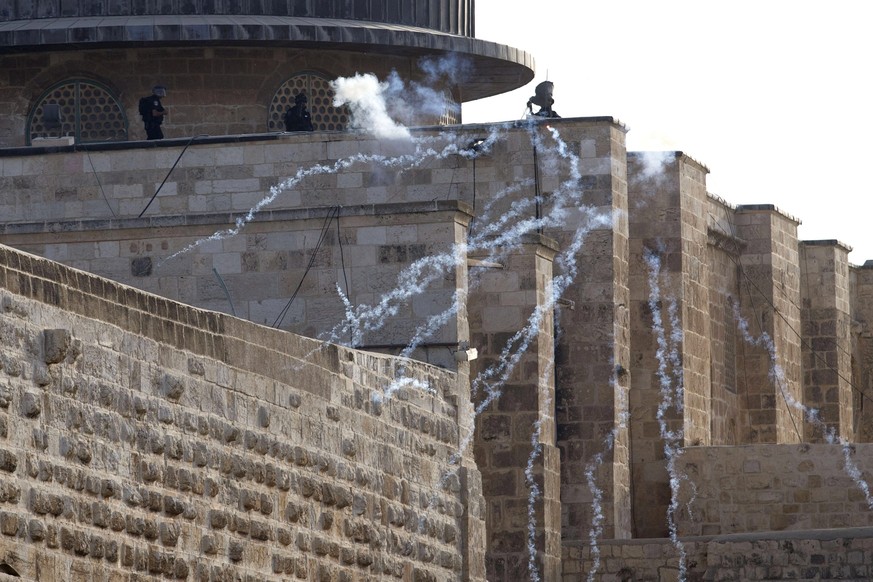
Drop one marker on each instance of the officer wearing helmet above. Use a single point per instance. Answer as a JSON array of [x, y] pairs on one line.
[[297, 118], [152, 112]]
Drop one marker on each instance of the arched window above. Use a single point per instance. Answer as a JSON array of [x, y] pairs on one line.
[[81, 108], [325, 117], [452, 112]]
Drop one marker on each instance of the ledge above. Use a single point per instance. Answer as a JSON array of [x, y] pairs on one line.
[[767, 208], [61, 146], [800, 534], [827, 243], [214, 219]]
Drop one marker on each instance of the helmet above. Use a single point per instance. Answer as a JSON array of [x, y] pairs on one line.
[[159, 90]]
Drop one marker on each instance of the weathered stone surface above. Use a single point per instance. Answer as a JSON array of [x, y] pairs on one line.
[[56, 344], [204, 423], [147, 477]]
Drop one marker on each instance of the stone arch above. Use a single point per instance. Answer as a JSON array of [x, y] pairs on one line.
[[80, 107], [325, 117]]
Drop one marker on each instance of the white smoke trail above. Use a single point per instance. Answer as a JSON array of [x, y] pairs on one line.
[[414, 102], [452, 69], [672, 390], [590, 218], [496, 376], [422, 273], [534, 491], [597, 517], [533, 494], [399, 162], [355, 334], [495, 239]]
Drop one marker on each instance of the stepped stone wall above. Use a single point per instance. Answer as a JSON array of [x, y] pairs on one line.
[[142, 437], [381, 207]]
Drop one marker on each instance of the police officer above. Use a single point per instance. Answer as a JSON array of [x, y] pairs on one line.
[[297, 118], [153, 112]]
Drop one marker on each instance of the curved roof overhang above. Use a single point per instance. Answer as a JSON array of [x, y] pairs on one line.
[[496, 68]]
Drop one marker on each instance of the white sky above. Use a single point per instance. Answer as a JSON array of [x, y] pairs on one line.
[[773, 96]]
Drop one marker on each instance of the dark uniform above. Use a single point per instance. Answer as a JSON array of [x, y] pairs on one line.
[[543, 99], [297, 118], [153, 112]]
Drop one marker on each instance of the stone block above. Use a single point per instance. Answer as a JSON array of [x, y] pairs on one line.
[[31, 406], [9, 523], [56, 343]]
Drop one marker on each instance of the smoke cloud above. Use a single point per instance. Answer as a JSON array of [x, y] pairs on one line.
[[386, 108], [366, 97]]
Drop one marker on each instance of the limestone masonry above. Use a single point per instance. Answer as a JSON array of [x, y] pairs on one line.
[[123, 403], [144, 438], [504, 352]]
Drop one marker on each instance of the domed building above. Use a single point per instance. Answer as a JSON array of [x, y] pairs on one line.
[[78, 69]]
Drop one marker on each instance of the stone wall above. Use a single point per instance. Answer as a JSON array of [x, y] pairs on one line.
[[351, 212], [518, 412], [143, 437], [827, 344], [328, 235], [861, 284], [724, 279], [770, 308], [217, 180], [759, 488], [592, 354], [841, 554], [670, 344]]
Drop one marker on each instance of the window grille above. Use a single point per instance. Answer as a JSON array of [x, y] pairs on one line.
[[325, 117], [80, 108]]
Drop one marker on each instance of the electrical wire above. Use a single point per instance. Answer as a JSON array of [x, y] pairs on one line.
[[339, 238], [762, 331], [538, 201], [473, 219], [155, 195], [805, 343], [751, 283], [451, 182], [224, 288], [334, 212], [97, 176]]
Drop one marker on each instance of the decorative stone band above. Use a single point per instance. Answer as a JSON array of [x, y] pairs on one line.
[[452, 16], [496, 68]]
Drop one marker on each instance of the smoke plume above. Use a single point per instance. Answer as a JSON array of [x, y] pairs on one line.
[[365, 96]]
